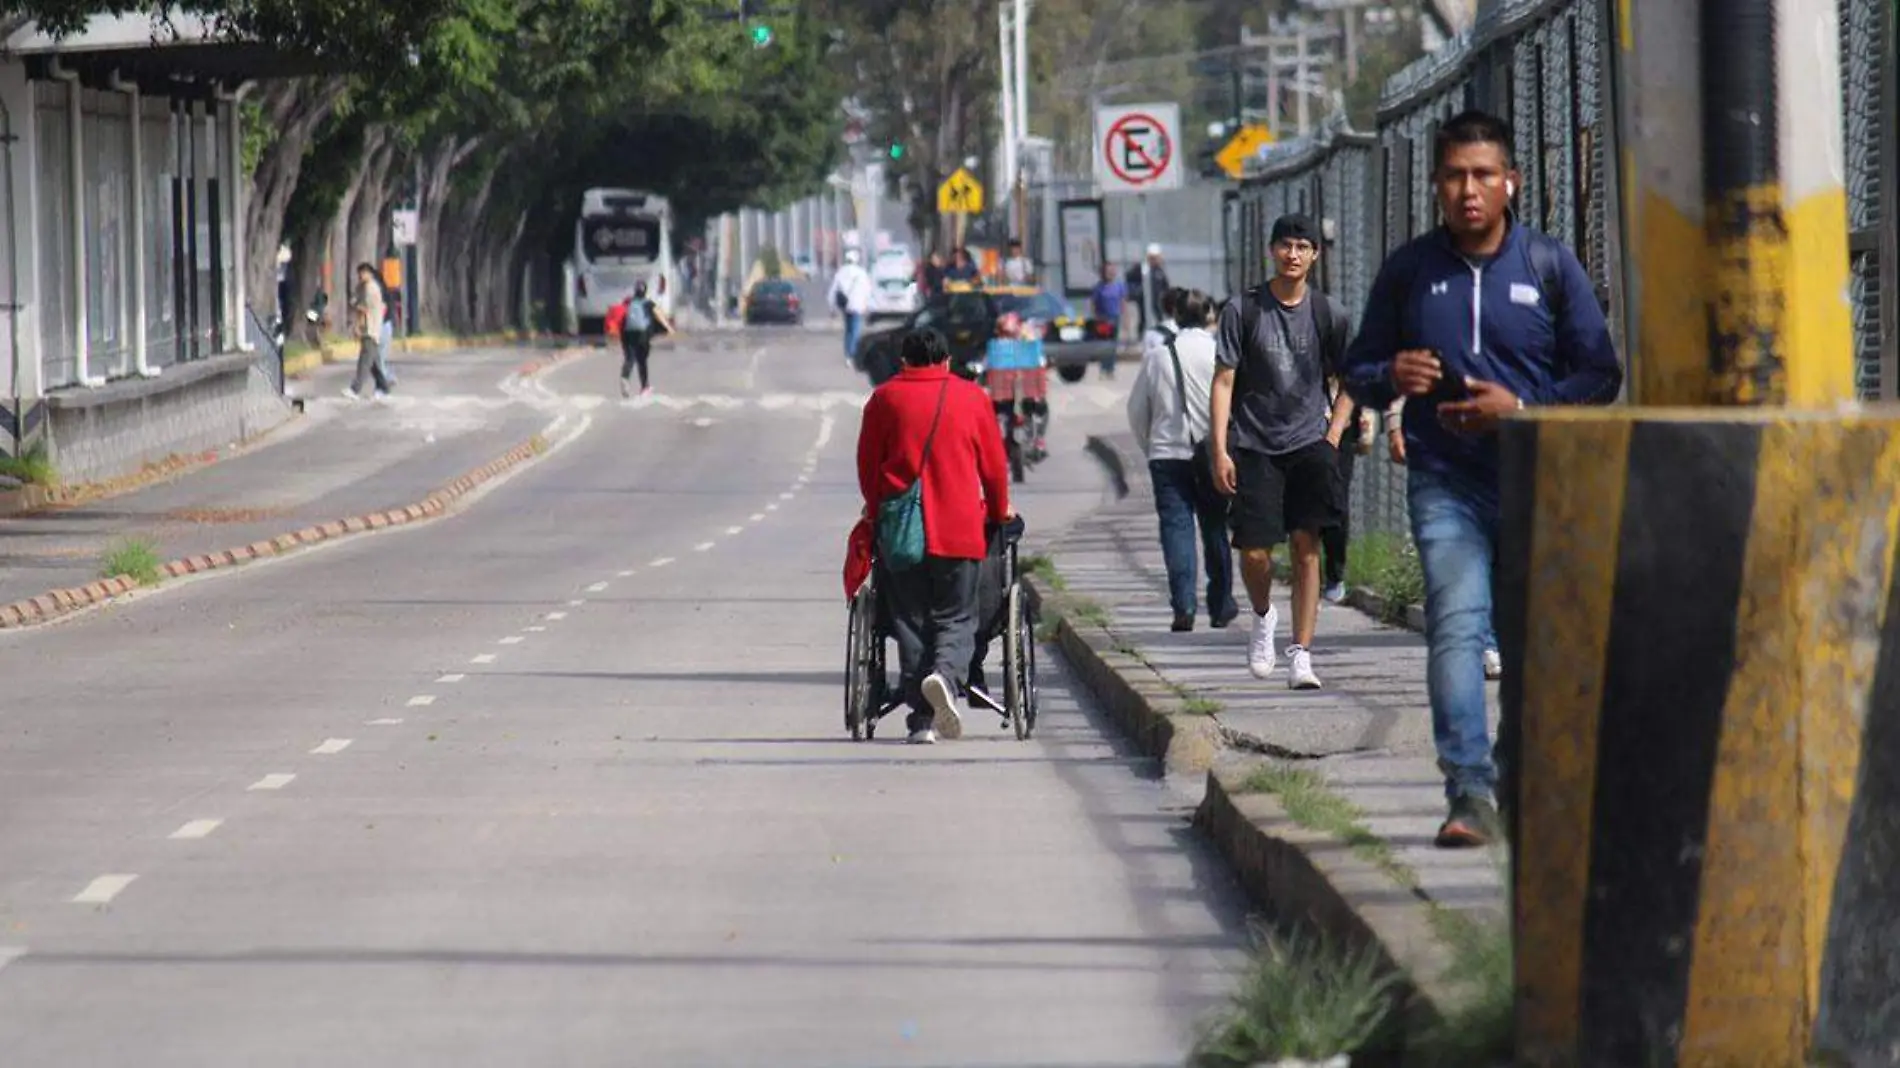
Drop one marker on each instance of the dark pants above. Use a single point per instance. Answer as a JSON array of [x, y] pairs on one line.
[[1334, 539], [635, 347], [369, 365], [933, 617], [1181, 505]]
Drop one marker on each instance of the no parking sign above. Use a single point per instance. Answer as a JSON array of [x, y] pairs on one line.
[[1137, 148]]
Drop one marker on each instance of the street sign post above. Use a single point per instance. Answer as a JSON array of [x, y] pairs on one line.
[[1137, 148], [960, 194], [1246, 141]]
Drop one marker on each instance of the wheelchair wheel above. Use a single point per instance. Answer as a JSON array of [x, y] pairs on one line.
[[1019, 680], [860, 689]]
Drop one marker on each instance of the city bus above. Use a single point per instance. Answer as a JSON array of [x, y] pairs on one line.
[[623, 236]]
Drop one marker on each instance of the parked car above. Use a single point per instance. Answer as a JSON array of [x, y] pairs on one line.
[[773, 301], [967, 315]]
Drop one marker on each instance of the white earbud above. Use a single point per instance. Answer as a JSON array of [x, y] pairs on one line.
[[1510, 188]]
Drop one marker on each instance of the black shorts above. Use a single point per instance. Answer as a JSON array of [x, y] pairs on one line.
[[1296, 491]]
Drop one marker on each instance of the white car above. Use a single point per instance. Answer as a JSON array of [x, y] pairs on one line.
[[894, 295]]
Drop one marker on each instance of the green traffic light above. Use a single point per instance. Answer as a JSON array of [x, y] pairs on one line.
[[897, 151], [761, 36]]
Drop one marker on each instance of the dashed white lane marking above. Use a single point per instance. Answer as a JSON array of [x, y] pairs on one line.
[[331, 747], [626, 574], [9, 954], [482, 658], [422, 700], [557, 616], [197, 829], [772, 507], [103, 889], [537, 630], [730, 531], [382, 723], [824, 431], [452, 678], [703, 546], [513, 639], [661, 562], [575, 604], [756, 517], [787, 496], [598, 587], [273, 782]]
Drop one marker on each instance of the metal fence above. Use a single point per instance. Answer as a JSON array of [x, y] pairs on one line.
[[1544, 65]]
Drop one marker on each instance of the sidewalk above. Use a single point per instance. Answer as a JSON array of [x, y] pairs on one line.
[[1367, 734], [339, 459]]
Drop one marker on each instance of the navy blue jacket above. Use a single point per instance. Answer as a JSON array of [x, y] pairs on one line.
[[1493, 322]]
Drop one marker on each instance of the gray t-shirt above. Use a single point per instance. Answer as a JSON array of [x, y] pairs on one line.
[[1280, 400]]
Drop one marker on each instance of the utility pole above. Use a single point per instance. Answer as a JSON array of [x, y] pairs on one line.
[[1302, 99], [1019, 182], [1006, 103]]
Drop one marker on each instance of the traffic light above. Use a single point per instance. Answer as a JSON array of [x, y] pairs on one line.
[[897, 150], [761, 35]]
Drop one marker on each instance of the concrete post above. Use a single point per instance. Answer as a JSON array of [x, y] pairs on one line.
[[1701, 609]]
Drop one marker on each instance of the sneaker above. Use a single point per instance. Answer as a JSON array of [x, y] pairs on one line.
[[1225, 619], [925, 736], [1493, 665], [350, 393], [1183, 624], [1260, 655], [1336, 593], [646, 392], [626, 388], [943, 701], [382, 394], [1300, 669], [1473, 822]]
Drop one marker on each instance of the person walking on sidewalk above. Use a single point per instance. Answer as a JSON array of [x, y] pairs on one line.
[[1276, 437], [392, 307], [1336, 541], [639, 318], [1472, 323], [1168, 412], [851, 293], [367, 324], [930, 428]]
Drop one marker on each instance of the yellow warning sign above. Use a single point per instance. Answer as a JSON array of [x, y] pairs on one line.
[[960, 194], [1234, 155]]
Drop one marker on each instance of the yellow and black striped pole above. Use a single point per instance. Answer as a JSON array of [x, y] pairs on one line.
[[1700, 601]]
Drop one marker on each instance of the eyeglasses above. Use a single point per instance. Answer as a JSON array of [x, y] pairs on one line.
[[1295, 248]]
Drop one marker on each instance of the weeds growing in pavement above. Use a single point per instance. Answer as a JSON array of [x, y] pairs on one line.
[[31, 467], [1389, 567], [1201, 706], [1304, 997], [1045, 569], [133, 558], [1088, 611]]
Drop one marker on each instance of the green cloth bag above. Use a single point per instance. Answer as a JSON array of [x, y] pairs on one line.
[[900, 519]]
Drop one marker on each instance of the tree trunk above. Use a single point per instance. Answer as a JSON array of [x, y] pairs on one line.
[[438, 164], [370, 204], [295, 109]]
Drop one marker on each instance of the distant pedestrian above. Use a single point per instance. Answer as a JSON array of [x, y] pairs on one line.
[[963, 269], [1017, 268], [392, 309], [366, 317], [1168, 411], [932, 274], [1105, 305], [1276, 437], [1336, 541], [1471, 323], [639, 321], [1147, 281], [934, 430], [851, 293]]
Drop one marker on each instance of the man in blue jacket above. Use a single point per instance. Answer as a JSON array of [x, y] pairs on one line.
[[1476, 320]]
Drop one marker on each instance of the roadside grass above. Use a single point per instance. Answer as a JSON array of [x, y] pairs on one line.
[[1045, 569], [1388, 566], [134, 558], [1301, 996], [31, 467], [1201, 706], [1475, 1030]]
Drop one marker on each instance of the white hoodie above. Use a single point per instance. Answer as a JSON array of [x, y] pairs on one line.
[[855, 283]]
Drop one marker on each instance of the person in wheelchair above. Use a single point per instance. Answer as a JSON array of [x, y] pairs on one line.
[[929, 427]]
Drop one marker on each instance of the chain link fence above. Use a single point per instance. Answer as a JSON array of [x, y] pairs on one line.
[[1543, 65]]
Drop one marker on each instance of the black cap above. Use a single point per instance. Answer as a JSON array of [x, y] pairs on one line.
[[1296, 228]]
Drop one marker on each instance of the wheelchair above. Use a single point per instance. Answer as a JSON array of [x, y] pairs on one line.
[[1003, 615]]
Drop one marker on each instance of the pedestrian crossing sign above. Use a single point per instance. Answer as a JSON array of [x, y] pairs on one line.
[[960, 194]]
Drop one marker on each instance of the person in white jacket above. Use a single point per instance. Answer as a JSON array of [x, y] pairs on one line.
[[851, 292], [1168, 412]]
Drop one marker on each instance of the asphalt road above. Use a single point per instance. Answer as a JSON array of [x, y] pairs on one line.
[[562, 780]]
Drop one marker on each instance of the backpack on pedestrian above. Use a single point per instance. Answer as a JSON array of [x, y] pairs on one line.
[[639, 319]]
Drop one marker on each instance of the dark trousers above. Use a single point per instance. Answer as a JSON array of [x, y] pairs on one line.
[[635, 347], [933, 617], [1333, 540], [1181, 505]]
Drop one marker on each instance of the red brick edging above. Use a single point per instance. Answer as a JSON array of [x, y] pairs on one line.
[[56, 603]]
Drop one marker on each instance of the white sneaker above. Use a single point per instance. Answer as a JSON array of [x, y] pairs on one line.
[[943, 702], [1300, 669], [923, 737], [351, 394], [1260, 655], [626, 388], [1493, 665]]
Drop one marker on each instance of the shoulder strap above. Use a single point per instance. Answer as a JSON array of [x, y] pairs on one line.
[[1180, 384], [934, 420], [1547, 261]]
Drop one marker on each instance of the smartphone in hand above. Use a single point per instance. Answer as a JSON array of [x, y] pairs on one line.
[[1451, 386]]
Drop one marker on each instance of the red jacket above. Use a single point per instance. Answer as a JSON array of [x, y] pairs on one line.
[[968, 478]]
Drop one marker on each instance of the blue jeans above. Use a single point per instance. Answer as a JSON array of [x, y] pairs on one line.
[[1455, 524], [1180, 509], [853, 327]]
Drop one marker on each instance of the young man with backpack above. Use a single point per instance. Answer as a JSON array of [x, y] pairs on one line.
[[1276, 437], [1471, 323], [639, 318]]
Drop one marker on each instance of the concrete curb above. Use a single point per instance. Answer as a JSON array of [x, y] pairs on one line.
[[345, 351], [57, 603]]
